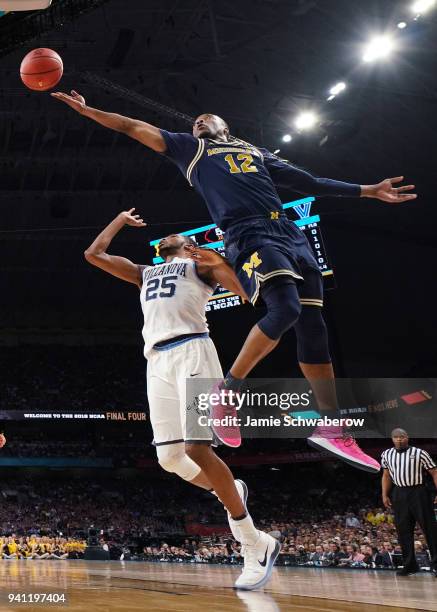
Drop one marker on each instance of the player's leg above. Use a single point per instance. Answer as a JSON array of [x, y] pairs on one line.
[[165, 418], [315, 362], [166, 390], [219, 478], [270, 274], [261, 550], [312, 342], [281, 299], [200, 356]]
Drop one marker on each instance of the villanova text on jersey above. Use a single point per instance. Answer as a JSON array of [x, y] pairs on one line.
[[180, 269]]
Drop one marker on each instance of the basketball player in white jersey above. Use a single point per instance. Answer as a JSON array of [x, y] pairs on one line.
[[177, 346]]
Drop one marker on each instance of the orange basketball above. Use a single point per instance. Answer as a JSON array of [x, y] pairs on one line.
[[41, 69]]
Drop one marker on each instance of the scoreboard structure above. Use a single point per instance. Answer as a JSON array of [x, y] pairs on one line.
[[211, 237]]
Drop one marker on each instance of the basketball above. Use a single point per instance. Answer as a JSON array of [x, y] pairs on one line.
[[41, 69]]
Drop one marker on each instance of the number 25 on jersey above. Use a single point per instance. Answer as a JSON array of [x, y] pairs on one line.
[[163, 287]]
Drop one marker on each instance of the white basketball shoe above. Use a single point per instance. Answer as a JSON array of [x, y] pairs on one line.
[[259, 560]]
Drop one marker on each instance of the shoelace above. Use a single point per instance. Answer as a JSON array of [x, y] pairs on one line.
[[349, 439]]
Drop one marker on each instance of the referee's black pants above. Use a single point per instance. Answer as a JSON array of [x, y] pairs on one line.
[[413, 505]]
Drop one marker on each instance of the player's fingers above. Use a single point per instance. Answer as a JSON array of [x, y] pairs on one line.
[[406, 197], [59, 95], [131, 210], [63, 97], [396, 179], [405, 188], [192, 253]]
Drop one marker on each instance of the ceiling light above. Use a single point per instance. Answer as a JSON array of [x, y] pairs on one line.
[[306, 121], [379, 47]]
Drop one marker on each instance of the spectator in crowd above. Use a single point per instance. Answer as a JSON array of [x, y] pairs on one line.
[[352, 520], [422, 557], [354, 556]]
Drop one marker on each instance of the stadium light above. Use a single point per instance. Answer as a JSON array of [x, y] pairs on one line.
[[402, 25], [379, 47], [306, 121], [287, 138], [422, 6], [338, 88]]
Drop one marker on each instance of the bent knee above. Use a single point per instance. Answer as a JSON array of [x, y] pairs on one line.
[[198, 452]]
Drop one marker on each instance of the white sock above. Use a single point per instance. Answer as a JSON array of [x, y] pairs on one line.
[[247, 530], [232, 524]]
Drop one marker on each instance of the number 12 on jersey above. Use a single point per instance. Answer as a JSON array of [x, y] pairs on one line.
[[245, 166]]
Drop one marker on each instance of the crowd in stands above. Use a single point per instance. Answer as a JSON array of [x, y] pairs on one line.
[[323, 514], [37, 547], [57, 378], [328, 526]]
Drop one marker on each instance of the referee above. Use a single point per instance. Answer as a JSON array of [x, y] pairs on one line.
[[403, 466]]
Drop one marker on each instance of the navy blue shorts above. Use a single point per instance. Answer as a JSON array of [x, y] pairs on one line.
[[260, 249]]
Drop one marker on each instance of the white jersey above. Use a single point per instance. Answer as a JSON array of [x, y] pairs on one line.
[[173, 299]]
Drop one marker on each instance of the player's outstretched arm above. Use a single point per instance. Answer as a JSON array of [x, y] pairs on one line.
[[147, 134], [120, 267], [216, 269], [386, 192], [287, 176]]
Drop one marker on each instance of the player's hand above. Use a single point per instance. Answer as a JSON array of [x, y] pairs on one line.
[[75, 100], [386, 192], [2, 440], [206, 257], [386, 501], [129, 218]]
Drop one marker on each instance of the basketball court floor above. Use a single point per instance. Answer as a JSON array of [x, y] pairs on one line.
[[130, 586]]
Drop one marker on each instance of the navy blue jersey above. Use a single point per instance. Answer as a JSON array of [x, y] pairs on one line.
[[238, 181]]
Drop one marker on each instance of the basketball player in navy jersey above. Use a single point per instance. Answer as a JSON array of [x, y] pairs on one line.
[[271, 256], [177, 345]]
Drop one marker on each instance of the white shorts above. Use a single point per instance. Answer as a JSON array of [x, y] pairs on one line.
[[167, 374]]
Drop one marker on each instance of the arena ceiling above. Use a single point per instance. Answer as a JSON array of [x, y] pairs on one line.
[[255, 62]]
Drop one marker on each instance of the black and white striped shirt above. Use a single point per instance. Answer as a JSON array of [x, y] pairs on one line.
[[406, 468]]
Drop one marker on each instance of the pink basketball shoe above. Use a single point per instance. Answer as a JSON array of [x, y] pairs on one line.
[[335, 441], [226, 420]]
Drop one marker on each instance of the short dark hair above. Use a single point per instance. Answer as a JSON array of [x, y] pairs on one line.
[[398, 431], [190, 241]]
